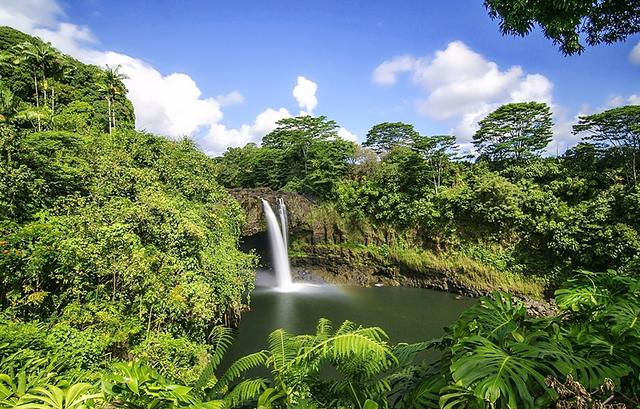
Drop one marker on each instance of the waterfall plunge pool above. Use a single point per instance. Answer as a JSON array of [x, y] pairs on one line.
[[406, 314]]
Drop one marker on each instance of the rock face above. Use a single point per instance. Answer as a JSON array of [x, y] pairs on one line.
[[309, 222], [352, 267], [298, 208], [312, 224]]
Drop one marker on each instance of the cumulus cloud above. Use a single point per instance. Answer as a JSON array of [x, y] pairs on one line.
[[460, 83], [387, 72], [305, 94], [345, 134], [220, 137], [232, 98], [634, 56], [27, 15], [171, 105]]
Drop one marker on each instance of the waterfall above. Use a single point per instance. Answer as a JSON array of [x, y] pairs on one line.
[[279, 250], [284, 221]]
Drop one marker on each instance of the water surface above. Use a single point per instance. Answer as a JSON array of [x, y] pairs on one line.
[[406, 314]]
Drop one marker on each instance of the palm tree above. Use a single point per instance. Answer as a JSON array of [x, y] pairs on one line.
[[111, 87], [41, 57]]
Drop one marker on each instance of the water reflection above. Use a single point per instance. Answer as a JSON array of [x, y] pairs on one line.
[[406, 314]]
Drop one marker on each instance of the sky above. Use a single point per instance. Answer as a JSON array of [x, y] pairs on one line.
[[223, 72]]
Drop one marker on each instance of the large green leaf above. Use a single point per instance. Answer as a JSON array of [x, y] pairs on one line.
[[53, 397], [498, 376], [494, 317]]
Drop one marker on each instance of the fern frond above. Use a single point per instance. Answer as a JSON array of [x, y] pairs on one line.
[[283, 348], [323, 329], [241, 366], [245, 391], [221, 339]]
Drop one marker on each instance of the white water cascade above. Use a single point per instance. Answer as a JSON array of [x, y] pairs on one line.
[[278, 242], [284, 221]]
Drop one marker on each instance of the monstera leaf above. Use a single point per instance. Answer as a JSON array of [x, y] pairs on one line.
[[494, 317], [498, 376], [623, 318], [587, 291], [590, 371]]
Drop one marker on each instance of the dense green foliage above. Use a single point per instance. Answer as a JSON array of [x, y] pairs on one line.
[[303, 154], [119, 255], [512, 209], [569, 23], [495, 355], [113, 243]]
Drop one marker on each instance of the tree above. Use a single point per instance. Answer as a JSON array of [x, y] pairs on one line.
[[41, 58], [437, 151], [516, 131], [8, 104], [112, 87], [309, 154], [564, 22], [383, 137], [617, 128]]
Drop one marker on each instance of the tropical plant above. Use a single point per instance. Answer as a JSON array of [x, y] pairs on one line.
[[76, 396], [359, 355], [40, 57], [111, 86]]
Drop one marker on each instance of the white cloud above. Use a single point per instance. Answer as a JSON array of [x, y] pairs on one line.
[[220, 137], [232, 98], [26, 15], [462, 85], [305, 93], [387, 72], [634, 56], [171, 105], [613, 101], [345, 134]]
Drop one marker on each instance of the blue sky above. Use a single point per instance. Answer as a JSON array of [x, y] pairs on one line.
[[426, 63]]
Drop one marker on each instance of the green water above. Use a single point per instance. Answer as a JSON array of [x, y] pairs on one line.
[[406, 314]]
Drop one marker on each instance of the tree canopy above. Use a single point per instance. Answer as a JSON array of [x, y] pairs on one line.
[[618, 128], [385, 136], [569, 23], [516, 131], [303, 154]]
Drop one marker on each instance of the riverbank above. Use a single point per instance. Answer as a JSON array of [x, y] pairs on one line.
[[383, 266]]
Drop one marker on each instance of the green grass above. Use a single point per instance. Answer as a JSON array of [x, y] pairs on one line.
[[459, 267], [466, 270]]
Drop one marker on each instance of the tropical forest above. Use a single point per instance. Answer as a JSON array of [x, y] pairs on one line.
[[154, 255]]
